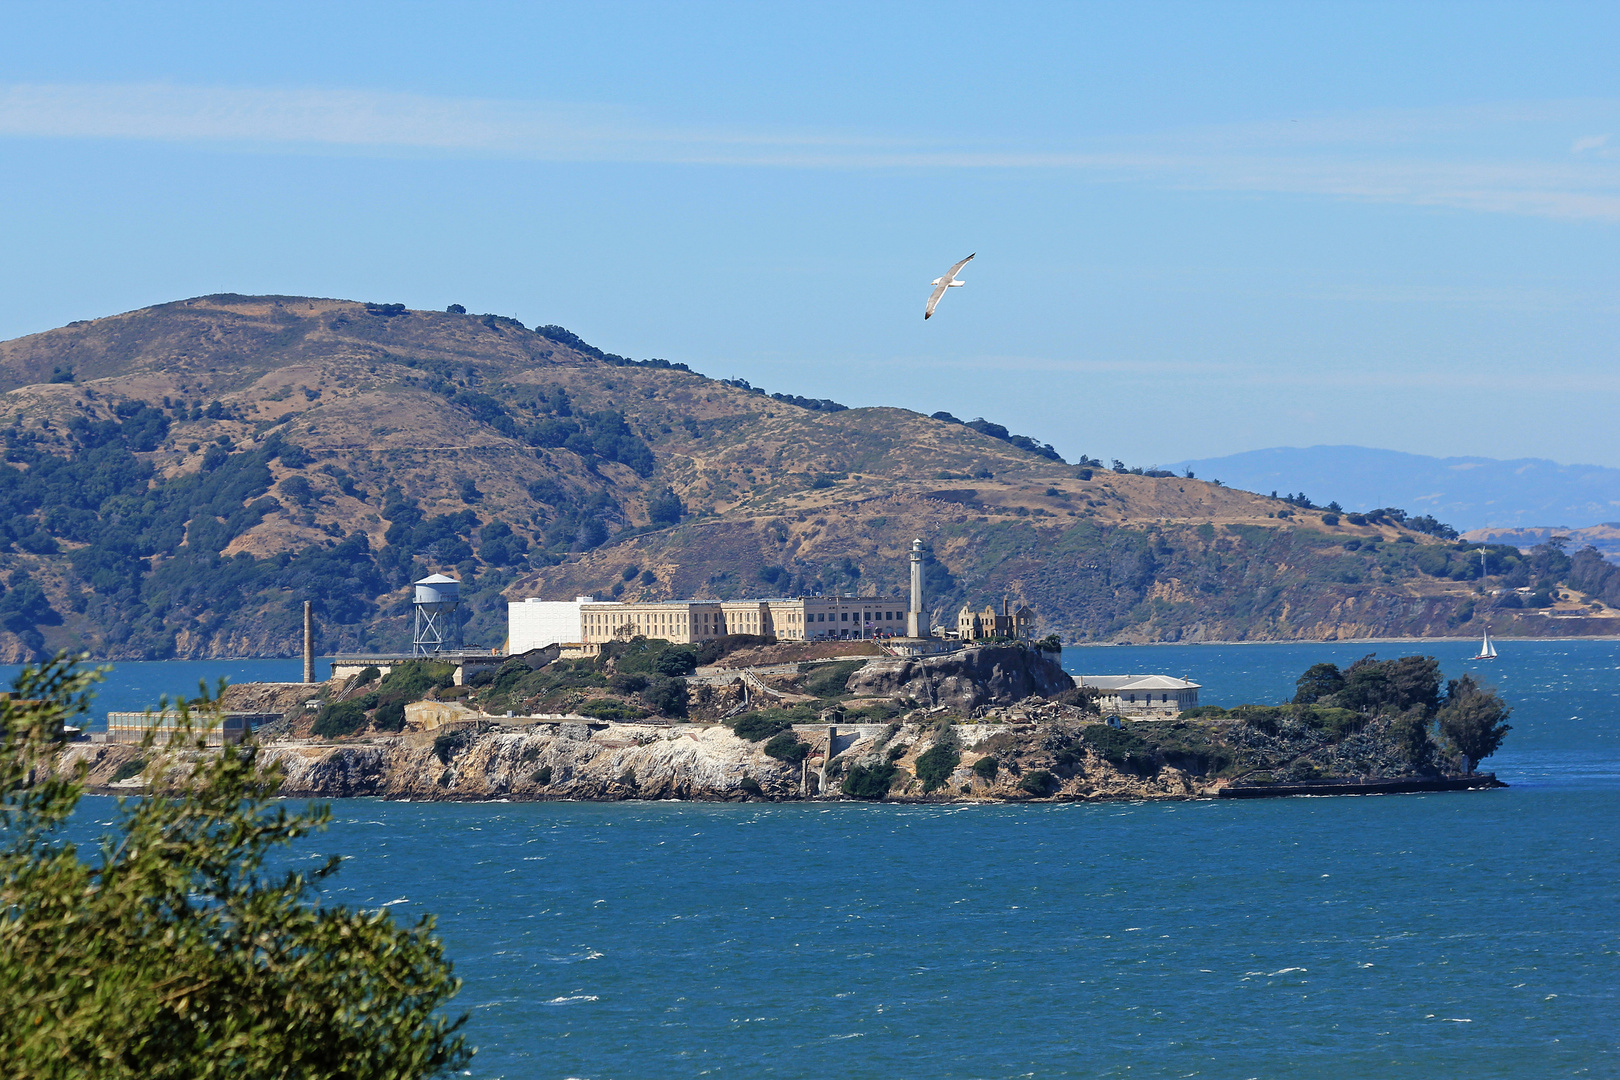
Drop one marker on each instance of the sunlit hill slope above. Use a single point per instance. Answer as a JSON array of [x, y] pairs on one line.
[[179, 479]]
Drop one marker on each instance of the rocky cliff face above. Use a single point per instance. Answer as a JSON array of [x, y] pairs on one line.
[[703, 762], [969, 679]]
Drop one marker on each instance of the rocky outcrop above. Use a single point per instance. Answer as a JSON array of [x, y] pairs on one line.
[[565, 760], [1038, 750], [968, 679]]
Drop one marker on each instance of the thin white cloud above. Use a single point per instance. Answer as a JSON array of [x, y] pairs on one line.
[[1490, 159]]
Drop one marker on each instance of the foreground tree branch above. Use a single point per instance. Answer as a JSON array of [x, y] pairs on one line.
[[172, 952]]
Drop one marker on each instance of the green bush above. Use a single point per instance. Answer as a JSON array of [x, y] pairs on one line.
[[869, 781], [1204, 712], [369, 675], [531, 753], [1039, 782], [1335, 721], [340, 718], [132, 767], [1119, 748], [628, 778], [935, 765], [415, 678], [676, 661], [987, 767], [627, 682], [668, 696], [787, 747], [651, 656], [541, 776], [196, 936], [390, 716], [750, 785], [757, 726], [610, 709]]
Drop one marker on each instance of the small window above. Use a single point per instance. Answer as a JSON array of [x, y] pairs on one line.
[[845, 617]]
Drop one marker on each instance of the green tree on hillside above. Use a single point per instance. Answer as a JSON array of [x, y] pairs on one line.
[[171, 952], [1474, 718], [1318, 682]]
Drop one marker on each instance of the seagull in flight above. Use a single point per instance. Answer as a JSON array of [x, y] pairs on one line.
[[940, 284]]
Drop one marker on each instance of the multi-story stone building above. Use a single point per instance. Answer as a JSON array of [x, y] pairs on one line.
[[539, 623], [804, 618], [979, 625]]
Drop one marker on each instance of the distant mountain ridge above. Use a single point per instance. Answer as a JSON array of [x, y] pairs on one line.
[[1468, 493], [1605, 538]]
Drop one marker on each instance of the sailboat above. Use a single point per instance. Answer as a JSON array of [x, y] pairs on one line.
[[1487, 651]]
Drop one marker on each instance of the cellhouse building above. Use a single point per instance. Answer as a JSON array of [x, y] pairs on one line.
[[588, 623], [535, 623]]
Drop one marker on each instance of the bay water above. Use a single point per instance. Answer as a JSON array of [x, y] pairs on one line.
[[1463, 934]]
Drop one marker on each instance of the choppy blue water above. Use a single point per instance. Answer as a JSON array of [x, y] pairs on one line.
[[1472, 934]]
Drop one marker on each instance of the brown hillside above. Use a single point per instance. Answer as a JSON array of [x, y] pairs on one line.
[[456, 417]]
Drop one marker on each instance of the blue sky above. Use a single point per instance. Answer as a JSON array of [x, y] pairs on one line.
[[1200, 229]]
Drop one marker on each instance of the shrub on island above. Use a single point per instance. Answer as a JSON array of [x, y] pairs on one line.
[[761, 725], [787, 747], [869, 781], [338, 719], [610, 709], [1038, 782], [935, 765]]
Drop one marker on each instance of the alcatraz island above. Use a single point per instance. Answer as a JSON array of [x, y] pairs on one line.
[[811, 697]]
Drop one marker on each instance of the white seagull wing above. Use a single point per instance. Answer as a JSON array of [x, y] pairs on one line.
[[951, 273], [933, 297]]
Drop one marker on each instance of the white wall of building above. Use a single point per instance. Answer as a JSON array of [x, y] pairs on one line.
[[536, 623]]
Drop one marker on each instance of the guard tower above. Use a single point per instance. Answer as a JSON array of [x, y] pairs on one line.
[[438, 625]]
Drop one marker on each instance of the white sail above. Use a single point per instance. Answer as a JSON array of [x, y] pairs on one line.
[[1487, 651]]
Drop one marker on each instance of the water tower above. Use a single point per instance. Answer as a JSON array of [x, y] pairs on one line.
[[438, 627]]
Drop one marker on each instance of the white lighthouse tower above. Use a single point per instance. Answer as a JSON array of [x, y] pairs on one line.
[[916, 621]]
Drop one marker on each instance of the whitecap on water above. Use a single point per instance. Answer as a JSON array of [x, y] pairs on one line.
[[570, 1000]]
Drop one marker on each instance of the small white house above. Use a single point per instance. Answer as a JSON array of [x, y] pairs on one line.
[[535, 623], [1143, 697]]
